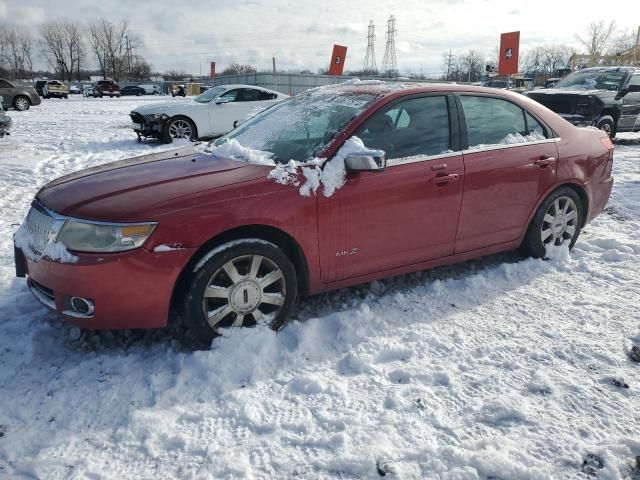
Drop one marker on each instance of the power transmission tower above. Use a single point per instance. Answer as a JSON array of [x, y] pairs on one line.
[[450, 58], [389, 62], [370, 58]]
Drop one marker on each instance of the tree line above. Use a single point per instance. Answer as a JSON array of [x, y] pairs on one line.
[[67, 45]]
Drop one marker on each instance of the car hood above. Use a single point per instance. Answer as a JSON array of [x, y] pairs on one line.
[[571, 92], [144, 188], [168, 107]]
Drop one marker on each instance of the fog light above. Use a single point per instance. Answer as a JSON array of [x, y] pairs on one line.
[[81, 305]]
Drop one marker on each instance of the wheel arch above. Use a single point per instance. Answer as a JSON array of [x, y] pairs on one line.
[[282, 239], [614, 112]]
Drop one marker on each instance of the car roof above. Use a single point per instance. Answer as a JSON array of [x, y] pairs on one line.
[[613, 68]]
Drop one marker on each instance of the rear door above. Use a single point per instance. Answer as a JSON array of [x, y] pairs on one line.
[[406, 214], [630, 118], [510, 161]]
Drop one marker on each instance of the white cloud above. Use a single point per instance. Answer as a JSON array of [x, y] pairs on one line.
[[301, 36]]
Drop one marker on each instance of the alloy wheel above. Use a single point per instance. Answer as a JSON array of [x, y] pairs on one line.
[[22, 104], [247, 290], [606, 128], [560, 222], [180, 129]]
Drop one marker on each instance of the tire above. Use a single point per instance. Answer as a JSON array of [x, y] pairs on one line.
[[138, 94], [252, 282], [179, 127], [554, 223], [21, 103], [100, 95], [607, 124], [66, 97]]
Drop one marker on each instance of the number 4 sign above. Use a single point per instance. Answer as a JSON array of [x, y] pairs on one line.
[[509, 45]]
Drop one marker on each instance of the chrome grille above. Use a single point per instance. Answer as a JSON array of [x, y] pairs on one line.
[[42, 229]]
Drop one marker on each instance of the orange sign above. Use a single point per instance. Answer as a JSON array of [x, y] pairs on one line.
[[212, 74], [337, 60], [509, 46]]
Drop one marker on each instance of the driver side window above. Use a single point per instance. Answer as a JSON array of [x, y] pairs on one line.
[[414, 127], [231, 95]]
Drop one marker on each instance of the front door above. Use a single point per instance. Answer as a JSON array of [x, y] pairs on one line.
[[509, 163], [406, 214], [630, 118], [240, 104]]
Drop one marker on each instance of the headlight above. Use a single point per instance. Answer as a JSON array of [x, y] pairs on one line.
[[85, 236], [154, 116]]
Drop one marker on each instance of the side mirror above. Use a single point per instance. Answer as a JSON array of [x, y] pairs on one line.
[[221, 100], [373, 161], [631, 89]]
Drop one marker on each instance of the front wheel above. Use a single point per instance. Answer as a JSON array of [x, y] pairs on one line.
[[243, 284], [180, 127], [558, 221]]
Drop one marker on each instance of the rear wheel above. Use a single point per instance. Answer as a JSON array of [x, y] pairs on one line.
[[607, 124], [558, 221], [21, 103], [252, 282]]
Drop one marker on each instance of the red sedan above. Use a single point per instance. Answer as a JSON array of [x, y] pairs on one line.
[[335, 187]]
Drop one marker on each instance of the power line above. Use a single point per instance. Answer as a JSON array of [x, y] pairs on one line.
[[370, 57], [389, 62]]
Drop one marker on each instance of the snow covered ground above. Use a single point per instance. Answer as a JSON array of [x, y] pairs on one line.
[[500, 368]]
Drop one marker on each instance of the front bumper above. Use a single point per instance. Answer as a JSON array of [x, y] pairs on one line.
[[5, 125], [129, 290], [148, 127]]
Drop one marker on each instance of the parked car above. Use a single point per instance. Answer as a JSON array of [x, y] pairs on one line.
[[151, 89], [20, 97], [106, 88], [39, 85], [433, 174], [55, 89], [132, 90], [74, 90], [5, 121], [605, 97], [87, 90], [212, 113]]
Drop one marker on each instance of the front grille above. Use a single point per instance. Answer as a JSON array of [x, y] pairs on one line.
[[42, 229]]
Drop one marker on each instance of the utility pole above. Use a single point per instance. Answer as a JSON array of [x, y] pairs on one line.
[[449, 61], [389, 62], [370, 58], [129, 56]]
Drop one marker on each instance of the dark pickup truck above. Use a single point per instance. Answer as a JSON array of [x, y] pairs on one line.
[[604, 97]]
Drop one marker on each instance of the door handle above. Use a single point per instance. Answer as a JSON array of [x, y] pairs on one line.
[[544, 161], [453, 177]]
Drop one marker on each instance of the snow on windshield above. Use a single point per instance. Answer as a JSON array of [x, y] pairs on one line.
[[297, 129], [592, 81]]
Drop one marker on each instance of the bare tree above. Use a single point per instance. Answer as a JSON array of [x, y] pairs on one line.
[[62, 45], [473, 63], [109, 44], [597, 36], [237, 69], [140, 69], [16, 52]]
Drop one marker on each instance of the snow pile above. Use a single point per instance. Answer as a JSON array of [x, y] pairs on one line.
[[231, 148], [330, 174], [512, 139], [53, 251], [501, 367]]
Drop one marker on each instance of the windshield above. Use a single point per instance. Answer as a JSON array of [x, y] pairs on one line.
[[598, 80], [299, 128], [209, 95]]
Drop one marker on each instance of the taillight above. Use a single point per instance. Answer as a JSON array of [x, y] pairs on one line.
[[608, 144]]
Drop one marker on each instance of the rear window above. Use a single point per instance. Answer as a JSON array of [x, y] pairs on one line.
[[493, 121]]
